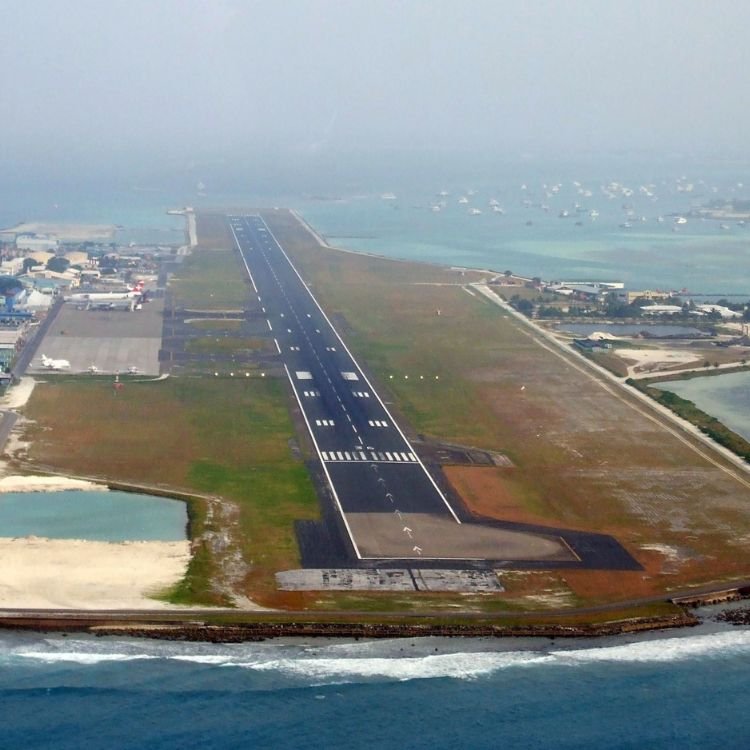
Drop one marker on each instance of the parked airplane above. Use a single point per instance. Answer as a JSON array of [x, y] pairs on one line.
[[131, 293], [55, 364], [94, 370]]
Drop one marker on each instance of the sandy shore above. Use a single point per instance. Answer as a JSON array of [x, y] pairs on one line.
[[73, 574], [654, 360], [21, 483]]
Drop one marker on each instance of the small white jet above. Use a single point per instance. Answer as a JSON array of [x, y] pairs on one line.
[[55, 364], [133, 370], [94, 370]]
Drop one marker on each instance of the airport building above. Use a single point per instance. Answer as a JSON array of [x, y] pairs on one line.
[[77, 258], [10, 343]]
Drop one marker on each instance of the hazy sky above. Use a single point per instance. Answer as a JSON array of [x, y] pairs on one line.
[[115, 76]]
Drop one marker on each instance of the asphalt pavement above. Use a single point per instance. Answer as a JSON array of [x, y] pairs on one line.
[[368, 461], [387, 505]]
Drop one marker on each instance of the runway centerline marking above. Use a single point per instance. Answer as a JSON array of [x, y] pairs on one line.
[[287, 297]]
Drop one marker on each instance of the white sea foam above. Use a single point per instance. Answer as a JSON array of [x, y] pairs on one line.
[[664, 649], [456, 666], [379, 660], [216, 659], [80, 657], [472, 665]]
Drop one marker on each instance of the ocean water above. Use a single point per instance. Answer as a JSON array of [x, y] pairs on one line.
[[699, 256], [343, 199], [687, 690], [726, 397], [111, 516]]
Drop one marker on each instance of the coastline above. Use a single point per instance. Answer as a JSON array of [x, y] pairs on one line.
[[354, 629], [683, 424], [237, 626], [148, 624], [76, 574]]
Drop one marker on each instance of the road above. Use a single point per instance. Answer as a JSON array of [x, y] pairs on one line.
[[369, 463]]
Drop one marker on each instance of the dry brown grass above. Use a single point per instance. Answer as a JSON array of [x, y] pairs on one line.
[[224, 438], [584, 457]]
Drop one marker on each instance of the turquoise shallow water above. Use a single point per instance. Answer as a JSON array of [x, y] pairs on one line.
[[625, 241], [726, 397], [646, 256], [93, 516]]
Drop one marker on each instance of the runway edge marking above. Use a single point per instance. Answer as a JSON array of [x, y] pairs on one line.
[[346, 348], [307, 423], [242, 255], [323, 464]]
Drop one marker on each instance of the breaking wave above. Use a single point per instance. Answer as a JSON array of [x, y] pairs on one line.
[[345, 662]]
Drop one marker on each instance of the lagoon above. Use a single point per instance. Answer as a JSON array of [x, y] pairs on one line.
[[726, 397], [101, 516]]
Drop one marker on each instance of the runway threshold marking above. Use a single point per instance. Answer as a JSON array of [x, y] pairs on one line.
[[358, 457], [377, 455], [353, 359], [325, 468]]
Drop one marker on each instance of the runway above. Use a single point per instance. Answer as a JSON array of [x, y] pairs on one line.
[[389, 503]]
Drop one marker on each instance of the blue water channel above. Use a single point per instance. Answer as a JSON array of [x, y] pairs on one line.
[[100, 516]]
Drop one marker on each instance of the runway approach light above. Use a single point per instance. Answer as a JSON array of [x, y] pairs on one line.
[[406, 377], [263, 374], [437, 377], [391, 377], [231, 374], [247, 374], [421, 377], [216, 374]]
